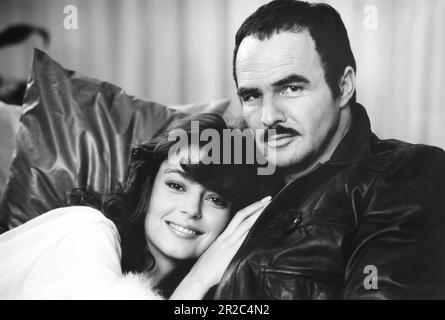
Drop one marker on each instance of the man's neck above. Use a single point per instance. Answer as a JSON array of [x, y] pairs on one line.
[[291, 174]]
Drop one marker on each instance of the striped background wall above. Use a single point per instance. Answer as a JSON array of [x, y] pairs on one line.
[[180, 51]]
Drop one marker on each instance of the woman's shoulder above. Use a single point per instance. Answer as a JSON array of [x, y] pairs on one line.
[[64, 220], [77, 217], [81, 214]]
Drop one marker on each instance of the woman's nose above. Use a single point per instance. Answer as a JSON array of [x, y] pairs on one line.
[[192, 206]]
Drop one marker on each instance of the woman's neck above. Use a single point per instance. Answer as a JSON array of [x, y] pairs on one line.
[[163, 265]]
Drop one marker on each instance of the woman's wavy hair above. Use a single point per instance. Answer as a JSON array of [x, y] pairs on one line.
[[127, 206]]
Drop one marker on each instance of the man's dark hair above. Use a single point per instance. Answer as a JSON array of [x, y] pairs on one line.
[[323, 23]]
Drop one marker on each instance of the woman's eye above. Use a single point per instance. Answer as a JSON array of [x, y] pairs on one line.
[[218, 201], [175, 186]]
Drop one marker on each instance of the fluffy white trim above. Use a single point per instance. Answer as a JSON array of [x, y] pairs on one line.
[[130, 286], [136, 286]]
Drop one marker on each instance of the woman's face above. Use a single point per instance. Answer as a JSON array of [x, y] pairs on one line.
[[184, 217]]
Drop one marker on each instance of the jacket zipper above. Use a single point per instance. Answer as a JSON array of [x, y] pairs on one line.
[[249, 234], [231, 268]]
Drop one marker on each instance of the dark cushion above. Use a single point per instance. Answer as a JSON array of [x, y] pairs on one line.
[[9, 124], [75, 131]]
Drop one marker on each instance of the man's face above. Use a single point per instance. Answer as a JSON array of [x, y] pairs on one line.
[[281, 84]]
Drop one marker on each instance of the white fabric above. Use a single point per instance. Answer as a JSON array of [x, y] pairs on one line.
[[67, 253]]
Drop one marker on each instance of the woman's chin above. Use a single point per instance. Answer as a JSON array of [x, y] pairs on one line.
[[179, 254]]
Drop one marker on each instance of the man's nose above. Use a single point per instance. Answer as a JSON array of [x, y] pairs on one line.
[[192, 206], [272, 113]]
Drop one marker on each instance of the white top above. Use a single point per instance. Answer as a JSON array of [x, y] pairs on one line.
[[67, 253]]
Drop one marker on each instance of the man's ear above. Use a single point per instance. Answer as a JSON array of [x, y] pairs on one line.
[[347, 86]]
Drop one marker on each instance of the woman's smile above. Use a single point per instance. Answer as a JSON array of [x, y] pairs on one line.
[[183, 231]]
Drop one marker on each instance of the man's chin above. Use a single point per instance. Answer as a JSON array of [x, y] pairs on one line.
[[283, 158], [287, 160], [284, 163]]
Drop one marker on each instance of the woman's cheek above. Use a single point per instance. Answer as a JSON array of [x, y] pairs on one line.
[[219, 222]]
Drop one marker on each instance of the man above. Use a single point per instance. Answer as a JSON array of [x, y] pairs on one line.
[[359, 218]]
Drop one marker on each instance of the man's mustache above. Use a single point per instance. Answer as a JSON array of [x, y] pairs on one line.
[[277, 130]]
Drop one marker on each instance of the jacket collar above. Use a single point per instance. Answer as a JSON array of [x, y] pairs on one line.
[[356, 143]]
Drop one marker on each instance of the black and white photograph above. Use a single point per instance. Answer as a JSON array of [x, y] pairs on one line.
[[229, 150]]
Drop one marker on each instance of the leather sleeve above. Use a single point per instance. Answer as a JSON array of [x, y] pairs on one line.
[[402, 232]]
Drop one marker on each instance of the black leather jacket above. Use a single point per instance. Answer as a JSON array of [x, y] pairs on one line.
[[378, 203]]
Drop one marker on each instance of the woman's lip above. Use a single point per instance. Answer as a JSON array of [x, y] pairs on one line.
[[183, 231]]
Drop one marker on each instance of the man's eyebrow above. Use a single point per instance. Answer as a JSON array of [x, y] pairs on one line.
[[289, 79], [247, 91]]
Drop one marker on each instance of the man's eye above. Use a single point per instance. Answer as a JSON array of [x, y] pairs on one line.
[[175, 186], [292, 90], [250, 97]]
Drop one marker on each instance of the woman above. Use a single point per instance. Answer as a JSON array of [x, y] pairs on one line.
[[162, 234]]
